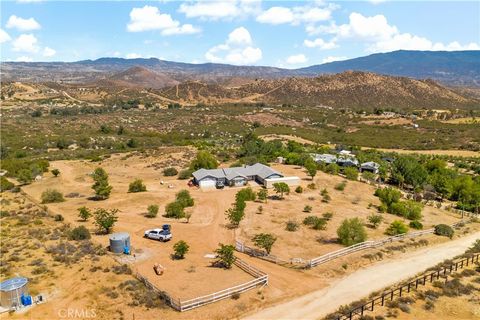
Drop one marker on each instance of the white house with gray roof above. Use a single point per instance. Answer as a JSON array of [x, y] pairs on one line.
[[236, 176]]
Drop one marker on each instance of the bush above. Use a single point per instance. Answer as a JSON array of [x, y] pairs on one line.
[[299, 189], [396, 227], [152, 211], [262, 195], [341, 186], [55, 172], [170, 172], [180, 249], [310, 220], [105, 219], [174, 210], [5, 184], [327, 215], [226, 256], [185, 174], [204, 160], [351, 232], [408, 209], [52, 196], [291, 226], [375, 220], [415, 224], [351, 173], [307, 208], [79, 233], [137, 186], [246, 194], [444, 230], [58, 217], [264, 241], [184, 198], [84, 213], [315, 222]]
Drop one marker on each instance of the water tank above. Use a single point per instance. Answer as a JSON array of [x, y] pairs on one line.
[[11, 292], [119, 241]]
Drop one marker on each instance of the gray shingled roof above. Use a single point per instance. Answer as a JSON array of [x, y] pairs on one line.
[[257, 169]]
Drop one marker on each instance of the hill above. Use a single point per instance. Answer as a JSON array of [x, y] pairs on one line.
[[137, 77]]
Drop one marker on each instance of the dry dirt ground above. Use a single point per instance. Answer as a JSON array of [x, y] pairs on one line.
[[193, 276]]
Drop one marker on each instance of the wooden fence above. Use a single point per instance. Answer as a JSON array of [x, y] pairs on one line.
[[303, 263], [261, 279], [407, 287]]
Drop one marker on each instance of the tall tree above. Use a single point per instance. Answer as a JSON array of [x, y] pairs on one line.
[[101, 187]]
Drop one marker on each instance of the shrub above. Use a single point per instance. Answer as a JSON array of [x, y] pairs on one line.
[[299, 189], [396, 227], [320, 224], [180, 249], [185, 174], [204, 160], [310, 220], [55, 172], [291, 226], [351, 232], [79, 233], [105, 219], [265, 241], [415, 224], [24, 176], [174, 210], [307, 208], [444, 230], [185, 199], [246, 194], [137, 186], [152, 211], [281, 188], [170, 172], [262, 194], [312, 186], [58, 217], [408, 209], [84, 213], [5, 184], [327, 215], [351, 173], [388, 196], [341, 186], [52, 196], [375, 220]]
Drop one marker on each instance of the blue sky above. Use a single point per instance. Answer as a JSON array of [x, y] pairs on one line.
[[287, 34]]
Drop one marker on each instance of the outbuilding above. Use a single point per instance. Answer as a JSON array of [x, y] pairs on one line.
[[370, 166]]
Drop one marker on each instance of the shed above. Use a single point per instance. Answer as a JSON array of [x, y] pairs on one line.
[[370, 166], [11, 292]]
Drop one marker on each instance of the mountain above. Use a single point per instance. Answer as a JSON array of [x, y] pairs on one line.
[[352, 89], [137, 77], [457, 68]]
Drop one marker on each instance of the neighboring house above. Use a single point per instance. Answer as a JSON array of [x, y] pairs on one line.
[[325, 158], [237, 176], [347, 162], [370, 166]]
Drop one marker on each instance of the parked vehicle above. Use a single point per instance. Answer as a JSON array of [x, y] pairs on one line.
[[158, 234], [220, 185]]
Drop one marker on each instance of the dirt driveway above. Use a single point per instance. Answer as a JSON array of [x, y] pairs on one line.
[[362, 282]]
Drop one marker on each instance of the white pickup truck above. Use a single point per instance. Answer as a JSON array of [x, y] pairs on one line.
[[158, 234]]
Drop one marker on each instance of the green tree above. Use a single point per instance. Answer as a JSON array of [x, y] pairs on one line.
[[56, 172], [225, 254], [264, 241], [185, 199], [351, 173], [351, 232], [180, 249], [84, 213], [105, 219], [5, 184], [311, 167], [246, 194], [396, 227], [262, 195], [52, 196], [137, 186], [281, 188], [101, 187], [375, 220], [204, 160], [444, 230], [368, 176], [25, 176], [236, 213], [408, 209], [174, 210], [152, 211], [388, 196]]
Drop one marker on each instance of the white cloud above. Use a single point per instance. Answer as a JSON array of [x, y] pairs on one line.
[[332, 59], [380, 36], [297, 59], [28, 1], [25, 43], [22, 24], [216, 10], [4, 37], [303, 14], [238, 49], [320, 43], [49, 52], [150, 18], [116, 53], [24, 59], [133, 56]]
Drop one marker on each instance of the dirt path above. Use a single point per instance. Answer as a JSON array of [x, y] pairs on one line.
[[361, 283]]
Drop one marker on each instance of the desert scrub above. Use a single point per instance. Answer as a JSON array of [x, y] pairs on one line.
[[52, 196], [291, 226]]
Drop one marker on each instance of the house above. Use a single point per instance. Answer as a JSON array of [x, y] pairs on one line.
[[370, 166], [347, 162], [325, 158], [347, 153], [236, 176]]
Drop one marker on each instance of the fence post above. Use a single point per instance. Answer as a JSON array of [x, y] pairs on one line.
[[383, 299], [400, 291]]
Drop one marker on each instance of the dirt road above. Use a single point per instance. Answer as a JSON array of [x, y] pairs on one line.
[[361, 283]]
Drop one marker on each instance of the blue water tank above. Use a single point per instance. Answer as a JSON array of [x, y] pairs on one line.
[[26, 300]]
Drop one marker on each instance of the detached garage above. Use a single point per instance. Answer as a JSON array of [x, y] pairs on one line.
[[291, 181]]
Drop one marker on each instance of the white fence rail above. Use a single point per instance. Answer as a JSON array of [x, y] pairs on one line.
[[261, 279], [240, 246]]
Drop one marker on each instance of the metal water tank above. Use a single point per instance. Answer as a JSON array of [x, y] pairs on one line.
[[119, 241], [11, 292]]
